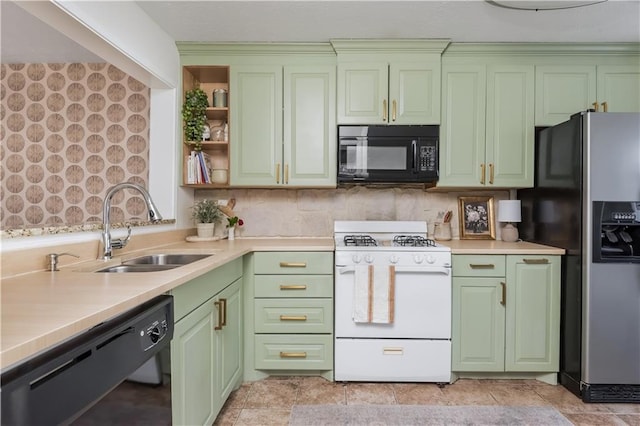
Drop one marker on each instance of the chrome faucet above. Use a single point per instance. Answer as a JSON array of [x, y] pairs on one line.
[[108, 243]]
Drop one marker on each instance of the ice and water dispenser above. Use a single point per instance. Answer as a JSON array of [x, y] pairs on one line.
[[616, 231]]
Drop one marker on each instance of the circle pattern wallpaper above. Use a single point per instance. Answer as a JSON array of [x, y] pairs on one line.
[[69, 133]]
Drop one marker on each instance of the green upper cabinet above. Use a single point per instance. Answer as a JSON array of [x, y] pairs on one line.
[[284, 125], [256, 142], [563, 90], [389, 82], [487, 131]]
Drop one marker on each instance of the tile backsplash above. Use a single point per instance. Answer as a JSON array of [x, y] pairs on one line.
[[311, 212], [69, 132]]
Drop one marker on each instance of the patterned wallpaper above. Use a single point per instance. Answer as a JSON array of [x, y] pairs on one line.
[[69, 132]]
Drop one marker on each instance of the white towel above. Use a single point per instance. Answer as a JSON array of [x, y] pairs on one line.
[[374, 294]]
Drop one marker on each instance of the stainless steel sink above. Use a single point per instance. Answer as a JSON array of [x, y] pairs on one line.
[[138, 268], [166, 259], [155, 262]]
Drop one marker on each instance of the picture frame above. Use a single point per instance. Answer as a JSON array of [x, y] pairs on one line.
[[477, 218]]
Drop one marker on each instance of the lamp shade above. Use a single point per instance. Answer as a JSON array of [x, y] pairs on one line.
[[509, 211]]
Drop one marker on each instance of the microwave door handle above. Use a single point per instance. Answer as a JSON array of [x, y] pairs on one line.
[[413, 157]]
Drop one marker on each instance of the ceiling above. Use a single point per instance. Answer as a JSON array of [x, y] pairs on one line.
[[320, 21]]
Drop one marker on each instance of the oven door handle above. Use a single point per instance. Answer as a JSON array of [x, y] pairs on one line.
[[400, 269]]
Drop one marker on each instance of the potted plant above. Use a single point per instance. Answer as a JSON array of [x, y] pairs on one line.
[[194, 114], [206, 214]]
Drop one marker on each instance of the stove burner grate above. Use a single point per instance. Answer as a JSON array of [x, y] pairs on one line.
[[359, 240], [412, 241]]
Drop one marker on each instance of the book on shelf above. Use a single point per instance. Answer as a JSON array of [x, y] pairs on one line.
[[199, 168]]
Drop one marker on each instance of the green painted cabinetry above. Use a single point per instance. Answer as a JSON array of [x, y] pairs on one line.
[[206, 350], [284, 126], [506, 314], [293, 312], [563, 90], [487, 130], [388, 82]]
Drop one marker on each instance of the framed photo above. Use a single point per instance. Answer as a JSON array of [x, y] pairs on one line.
[[476, 218]]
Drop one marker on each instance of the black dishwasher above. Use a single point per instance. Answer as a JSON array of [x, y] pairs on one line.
[[59, 384]]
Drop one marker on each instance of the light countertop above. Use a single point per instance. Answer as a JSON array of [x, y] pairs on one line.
[[41, 309]]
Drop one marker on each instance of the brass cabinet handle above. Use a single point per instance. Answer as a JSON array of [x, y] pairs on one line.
[[491, 173], [293, 287], [277, 172], [536, 261], [223, 302], [293, 264], [286, 174], [384, 110], [504, 293], [293, 354], [393, 110], [293, 317], [482, 265], [604, 107], [595, 106], [392, 351], [218, 305], [482, 174]]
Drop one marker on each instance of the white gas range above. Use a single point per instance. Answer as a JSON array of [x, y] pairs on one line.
[[392, 303]]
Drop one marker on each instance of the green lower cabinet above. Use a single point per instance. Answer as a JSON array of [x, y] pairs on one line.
[[206, 357], [509, 322]]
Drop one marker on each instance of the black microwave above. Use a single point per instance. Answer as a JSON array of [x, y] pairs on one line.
[[388, 154]]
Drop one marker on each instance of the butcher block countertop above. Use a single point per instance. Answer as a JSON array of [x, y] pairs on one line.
[[41, 309]]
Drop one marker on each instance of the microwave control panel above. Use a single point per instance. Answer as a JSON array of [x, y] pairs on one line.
[[428, 158]]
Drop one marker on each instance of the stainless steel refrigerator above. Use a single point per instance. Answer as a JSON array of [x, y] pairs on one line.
[[586, 200]]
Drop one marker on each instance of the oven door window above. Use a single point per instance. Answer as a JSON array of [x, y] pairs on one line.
[[376, 159]]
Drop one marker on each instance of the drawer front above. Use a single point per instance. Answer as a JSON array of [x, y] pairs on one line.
[[478, 265], [293, 315], [293, 286], [194, 293], [293, 352], [299, 262]]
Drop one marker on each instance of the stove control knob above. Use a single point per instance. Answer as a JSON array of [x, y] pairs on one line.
[[431, 259], [394, 259], [418, 258], [356, 258], [368, 258]]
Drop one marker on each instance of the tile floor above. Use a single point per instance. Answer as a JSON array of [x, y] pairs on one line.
[[269, 401]]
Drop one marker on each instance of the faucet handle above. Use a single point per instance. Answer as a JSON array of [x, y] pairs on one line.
[[53, 260], [122, 242]]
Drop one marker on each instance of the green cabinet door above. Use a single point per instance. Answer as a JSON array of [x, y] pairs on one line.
[[462, 134], [414, 93], [563, 90], [619, 87], [363, 91], [477, 324], [309, 152], [230, 336], [509, 126], [256, 126], [533, 313], [195, 399]]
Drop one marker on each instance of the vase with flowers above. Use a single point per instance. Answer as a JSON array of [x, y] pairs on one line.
[[232, 222], [206, 214]]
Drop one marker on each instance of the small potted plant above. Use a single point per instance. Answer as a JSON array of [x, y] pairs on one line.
[[194, 114], [206, 214], [232, 222]]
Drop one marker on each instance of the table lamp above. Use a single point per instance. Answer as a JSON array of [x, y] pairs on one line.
[[509, 212]]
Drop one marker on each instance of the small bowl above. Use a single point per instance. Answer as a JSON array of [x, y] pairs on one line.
[[219, 176]]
